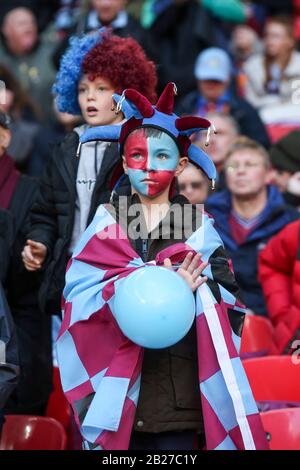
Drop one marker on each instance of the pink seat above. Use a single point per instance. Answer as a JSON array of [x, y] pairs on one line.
[[273, 378], [257, 335], [282, 428], [26, 432]]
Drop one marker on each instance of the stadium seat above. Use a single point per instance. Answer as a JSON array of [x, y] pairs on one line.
[[27, 432], [282, 428], [257, 335], [58, 407], [274, 378], [279, 130]]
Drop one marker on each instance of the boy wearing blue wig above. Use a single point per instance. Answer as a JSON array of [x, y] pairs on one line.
[[76, 181]]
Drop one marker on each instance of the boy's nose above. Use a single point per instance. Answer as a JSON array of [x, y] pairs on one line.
[[149, 165], [91, 95]]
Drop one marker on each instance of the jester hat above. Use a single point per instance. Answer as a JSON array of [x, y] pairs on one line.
[[140, 113]]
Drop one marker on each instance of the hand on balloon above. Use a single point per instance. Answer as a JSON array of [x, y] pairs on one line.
[[190, 270]]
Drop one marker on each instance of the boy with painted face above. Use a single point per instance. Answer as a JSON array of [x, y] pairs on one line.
[[125, 396], [151, 161]]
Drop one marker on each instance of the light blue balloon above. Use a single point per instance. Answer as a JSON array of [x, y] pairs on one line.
[[154, 307]]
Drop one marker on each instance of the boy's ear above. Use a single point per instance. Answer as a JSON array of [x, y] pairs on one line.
[[5, 138], [181, 165], [125, 167]]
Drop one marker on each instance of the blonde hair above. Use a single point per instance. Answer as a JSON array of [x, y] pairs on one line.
[[244, 143]]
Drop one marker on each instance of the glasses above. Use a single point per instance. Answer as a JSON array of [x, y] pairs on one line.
[[246, 166], [192, 184]]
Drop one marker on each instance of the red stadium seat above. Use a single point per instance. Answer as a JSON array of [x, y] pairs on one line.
[[282, 428], [274, 378], [26, 432], [58, 407], [257, 335], [280, 130]]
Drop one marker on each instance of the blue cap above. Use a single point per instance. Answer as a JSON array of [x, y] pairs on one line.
[[213, 64]]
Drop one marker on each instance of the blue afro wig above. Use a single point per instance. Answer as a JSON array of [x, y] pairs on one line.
[[68, 76]]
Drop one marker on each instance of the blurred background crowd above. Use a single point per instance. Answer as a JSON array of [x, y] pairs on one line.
[[237, 63]]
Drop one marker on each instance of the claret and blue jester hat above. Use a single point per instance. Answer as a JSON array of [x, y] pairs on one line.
[[139, 113]]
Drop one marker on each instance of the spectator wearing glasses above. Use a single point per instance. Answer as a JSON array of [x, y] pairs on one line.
[[248, 214]]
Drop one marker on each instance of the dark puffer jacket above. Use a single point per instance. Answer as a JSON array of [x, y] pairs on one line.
[[32, 327], [6, 238], [52, 216]]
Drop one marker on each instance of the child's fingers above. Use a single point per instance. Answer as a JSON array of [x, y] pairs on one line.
[[199, 282], [31, 266], [32, 243], [203, 265], [26, 253], [187, 261], [194, 263], [167, 263], [37, 248]]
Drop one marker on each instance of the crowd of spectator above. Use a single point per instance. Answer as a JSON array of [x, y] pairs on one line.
[[235, 62]]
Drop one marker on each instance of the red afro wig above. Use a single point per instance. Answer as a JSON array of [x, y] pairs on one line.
[[124, 64]]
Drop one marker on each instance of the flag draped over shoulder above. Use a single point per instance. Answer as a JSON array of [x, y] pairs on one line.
[[101, 369]]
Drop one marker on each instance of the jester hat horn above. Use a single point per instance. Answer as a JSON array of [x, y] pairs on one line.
[[139, 113]]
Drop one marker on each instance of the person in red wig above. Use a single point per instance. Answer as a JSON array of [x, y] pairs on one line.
[[74, 183]]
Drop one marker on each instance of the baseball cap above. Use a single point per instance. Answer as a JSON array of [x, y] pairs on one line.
[[213, 64]]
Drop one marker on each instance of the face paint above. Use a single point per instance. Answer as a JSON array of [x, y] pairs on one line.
[[151, 162]]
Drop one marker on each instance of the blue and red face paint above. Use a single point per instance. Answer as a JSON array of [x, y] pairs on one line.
[[151, 162]]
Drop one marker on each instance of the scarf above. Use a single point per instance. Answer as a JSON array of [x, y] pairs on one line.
[[9, 178], [101, 369]]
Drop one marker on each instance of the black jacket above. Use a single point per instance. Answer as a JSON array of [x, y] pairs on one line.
[[32, 327], [244, 113], [176, 38], [9, 362], [52, 216], [6, 239]]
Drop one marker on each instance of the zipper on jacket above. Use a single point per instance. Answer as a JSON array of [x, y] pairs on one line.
[[145, 249]]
